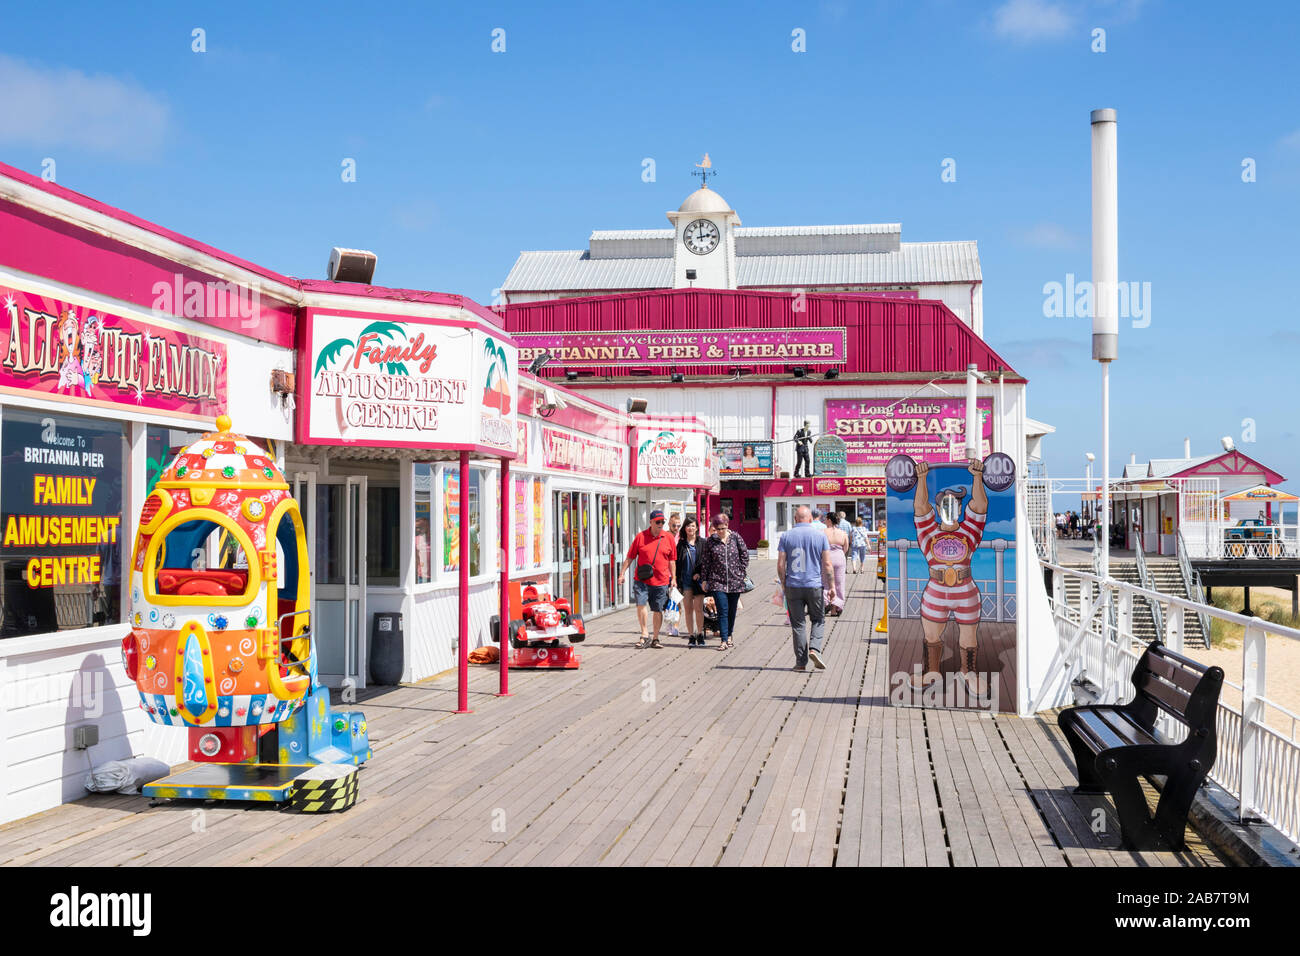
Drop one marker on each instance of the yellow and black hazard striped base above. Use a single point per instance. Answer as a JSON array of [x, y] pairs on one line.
[[324, 795]]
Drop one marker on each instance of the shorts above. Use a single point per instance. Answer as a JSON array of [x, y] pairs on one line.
[[962, 601], [655, 595]]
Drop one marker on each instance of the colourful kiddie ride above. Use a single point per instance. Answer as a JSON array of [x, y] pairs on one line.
[[538, 623], [221, 637]]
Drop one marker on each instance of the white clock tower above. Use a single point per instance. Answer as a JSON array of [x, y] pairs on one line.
[[704, 241]]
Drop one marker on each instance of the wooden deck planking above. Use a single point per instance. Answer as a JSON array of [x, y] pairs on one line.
[[711, 771]]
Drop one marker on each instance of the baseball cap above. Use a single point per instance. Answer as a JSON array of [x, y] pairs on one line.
[[656, 515]]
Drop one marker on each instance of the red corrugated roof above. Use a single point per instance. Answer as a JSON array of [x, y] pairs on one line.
[[884, 335]]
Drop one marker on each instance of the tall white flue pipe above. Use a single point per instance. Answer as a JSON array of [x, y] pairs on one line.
[[1105, 289]]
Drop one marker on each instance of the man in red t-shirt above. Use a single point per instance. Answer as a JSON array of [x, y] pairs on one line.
[[656, 549]]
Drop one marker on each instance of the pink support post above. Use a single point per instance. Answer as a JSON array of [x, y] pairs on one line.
[[462, 646], [507, 508]]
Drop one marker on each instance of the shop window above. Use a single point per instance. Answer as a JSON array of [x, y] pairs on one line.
[[61, 511], [383, 535], [423, 486], [476, 529], [162, 445], [451, 519], [780, 517]]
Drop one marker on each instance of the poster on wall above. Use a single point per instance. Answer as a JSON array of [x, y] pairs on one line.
[[744, 459], [61, 511], [73, 353], [450, 519], [830, 456], [521, 523], [951, 587], [394, 383], [929, 430], [539, 519]]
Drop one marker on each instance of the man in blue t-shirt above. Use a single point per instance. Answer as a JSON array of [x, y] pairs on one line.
[[804, 553]]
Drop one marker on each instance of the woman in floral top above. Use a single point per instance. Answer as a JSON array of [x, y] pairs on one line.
[[724, 559]]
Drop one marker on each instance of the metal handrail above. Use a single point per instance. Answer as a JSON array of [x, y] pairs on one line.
[[1255, 762], [1192, 581], [1145, 579]]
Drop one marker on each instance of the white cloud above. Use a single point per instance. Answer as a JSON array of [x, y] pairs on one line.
[[50, 107], [1029, 20], [1049, 235]]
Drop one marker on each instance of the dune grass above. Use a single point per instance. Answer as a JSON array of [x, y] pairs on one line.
[[1268, 604]]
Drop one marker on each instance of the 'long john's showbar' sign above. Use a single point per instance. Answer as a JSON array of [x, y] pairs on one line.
[[827, 346]]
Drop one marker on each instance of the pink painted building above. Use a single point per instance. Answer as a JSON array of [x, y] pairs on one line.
[[878, 372]]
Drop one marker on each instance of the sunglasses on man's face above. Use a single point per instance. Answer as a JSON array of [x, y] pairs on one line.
[[658, 521]]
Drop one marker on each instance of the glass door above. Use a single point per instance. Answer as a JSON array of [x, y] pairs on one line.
[[355, 591], [336, 530], [582, 527], [564, 550]]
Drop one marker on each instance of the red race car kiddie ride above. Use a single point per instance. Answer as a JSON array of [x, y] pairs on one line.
[[538, 624]]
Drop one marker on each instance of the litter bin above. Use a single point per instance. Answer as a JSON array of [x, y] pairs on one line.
[[387, 655]]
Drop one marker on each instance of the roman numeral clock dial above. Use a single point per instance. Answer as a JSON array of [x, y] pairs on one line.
[[701, 237]]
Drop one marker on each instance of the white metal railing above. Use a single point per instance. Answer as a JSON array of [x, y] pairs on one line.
[[1258, 759], [1145, 580], [1267, 541], [1192, 581]]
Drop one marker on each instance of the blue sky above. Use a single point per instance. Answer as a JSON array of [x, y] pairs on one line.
[[465, 156]]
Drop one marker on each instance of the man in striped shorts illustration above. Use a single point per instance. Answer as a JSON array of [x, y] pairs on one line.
[[948, 542]]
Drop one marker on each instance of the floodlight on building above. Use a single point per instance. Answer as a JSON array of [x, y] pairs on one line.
[[570, 375], [351, 265], [637, 406], [832, 374], [799, 371], [538, 363]]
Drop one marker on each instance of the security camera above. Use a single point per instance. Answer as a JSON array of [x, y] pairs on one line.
[[1228, 443]]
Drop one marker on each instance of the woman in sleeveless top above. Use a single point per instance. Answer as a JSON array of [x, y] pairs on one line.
[[833, 580]]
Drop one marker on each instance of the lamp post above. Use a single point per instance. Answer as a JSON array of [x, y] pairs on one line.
[[1091, 504], [1105, 289]]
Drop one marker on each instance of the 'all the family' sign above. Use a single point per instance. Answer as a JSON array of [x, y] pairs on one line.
[[74, 353]]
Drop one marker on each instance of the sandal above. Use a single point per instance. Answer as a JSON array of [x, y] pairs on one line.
[[641, 643], [656, 645]]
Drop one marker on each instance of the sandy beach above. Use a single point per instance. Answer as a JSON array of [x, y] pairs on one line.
[[1282, 657]]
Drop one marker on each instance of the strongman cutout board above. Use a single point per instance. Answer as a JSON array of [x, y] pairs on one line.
[[952, 583]]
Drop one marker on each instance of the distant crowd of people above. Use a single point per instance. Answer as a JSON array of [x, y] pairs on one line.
[[1070, 524]]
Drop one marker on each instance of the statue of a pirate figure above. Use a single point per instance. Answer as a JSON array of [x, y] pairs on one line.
[[802, 439], [948, 541]]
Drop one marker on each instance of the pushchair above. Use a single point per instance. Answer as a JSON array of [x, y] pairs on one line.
[[711, 617]]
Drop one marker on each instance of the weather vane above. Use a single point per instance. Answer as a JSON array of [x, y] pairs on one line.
[[704, 170]]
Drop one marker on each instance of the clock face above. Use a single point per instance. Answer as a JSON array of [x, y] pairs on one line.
[[701, 237]]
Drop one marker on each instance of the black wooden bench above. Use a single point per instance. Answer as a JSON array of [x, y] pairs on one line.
[[1115, 744]]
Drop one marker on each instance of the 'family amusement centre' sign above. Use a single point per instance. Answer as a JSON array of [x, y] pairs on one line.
[[675, 458], [826, 346], [72, 353], [931, 430], [375, 381]]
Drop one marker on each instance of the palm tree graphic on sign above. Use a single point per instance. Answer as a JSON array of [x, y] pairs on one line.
[[649, 443], [334, 356], [496, 386]]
